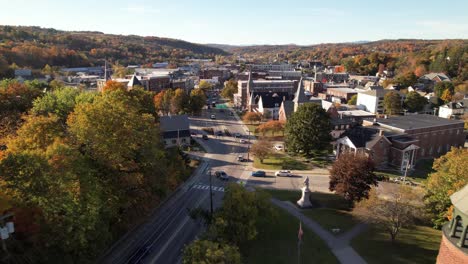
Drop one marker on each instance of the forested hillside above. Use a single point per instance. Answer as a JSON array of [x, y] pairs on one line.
[[35, 47], [401, 56]]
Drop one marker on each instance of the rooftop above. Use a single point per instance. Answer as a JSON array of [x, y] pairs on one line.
[[410, 122], [460, 200], [342, 90], [174, 123]]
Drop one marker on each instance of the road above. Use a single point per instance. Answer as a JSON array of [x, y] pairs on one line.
[[163, 236]]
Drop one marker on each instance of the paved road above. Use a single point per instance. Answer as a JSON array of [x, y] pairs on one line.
[[163, 236]]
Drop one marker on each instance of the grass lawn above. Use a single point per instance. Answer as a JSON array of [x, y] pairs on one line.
[[333, 211], [277, 243], [281, 161], [269, 134], [417, 245]]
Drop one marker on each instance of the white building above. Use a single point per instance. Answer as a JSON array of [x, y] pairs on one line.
[[452, 110], [372, 99]]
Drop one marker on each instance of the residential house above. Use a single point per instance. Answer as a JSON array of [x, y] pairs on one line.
[[452, 110], [175, 130], [269, 104], [430, 79]]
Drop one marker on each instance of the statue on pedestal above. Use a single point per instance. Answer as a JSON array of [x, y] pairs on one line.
[[304, 202]]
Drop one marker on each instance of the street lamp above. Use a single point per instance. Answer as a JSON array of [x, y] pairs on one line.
[[6, 228]]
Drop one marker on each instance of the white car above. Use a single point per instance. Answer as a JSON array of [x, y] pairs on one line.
[[279, 147], [283, 173], [243, 141], [213, 117]]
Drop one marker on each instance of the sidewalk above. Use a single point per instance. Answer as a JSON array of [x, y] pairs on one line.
[[339, 245]]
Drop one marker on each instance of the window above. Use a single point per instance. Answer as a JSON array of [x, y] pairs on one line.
[[184, 140], [458, 131], [430, 151], [438, 149], [422, 152], [174, 141]]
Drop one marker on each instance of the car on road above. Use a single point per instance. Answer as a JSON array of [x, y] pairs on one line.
[[219, 133], [231, 113], [213, 117], [222, 175], [243, 141], [237, 135], [193, 133], [241, 158], [258, 173], [279, 147], [205, 137], [283, 173]]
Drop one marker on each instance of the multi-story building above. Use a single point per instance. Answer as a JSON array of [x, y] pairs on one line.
[[400, 141], [372, 99], [246, 88], [452, 110], [271, 67], [345, 93]]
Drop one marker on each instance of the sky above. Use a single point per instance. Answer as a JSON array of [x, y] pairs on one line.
[[247, 22]]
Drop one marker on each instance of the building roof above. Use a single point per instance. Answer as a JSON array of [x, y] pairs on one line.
[[342, 90], [410, 122], [460, 200], [361, 136], [454, 105], [134, 81], [174, 123], [439, 75], [176, 134], [270, 100], [288, 107], [356, 113], [300, 96]]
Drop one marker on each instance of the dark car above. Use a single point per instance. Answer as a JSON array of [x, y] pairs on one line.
[[258, 173], [222, 175], [205, 137], [219, 133]]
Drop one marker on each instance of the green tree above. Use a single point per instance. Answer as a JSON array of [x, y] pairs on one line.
[[241, 215], [353, 100], [197, 101], [449, 177], [392, 103], [47, 70], [204, 85], [407, 79], [440, 87], [308, 130], [352, 176], [60, 102], [414, 102], [180, 102], [205, 251], [229, 89]]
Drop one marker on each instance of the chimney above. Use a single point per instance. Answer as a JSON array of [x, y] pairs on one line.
[[381, 132]]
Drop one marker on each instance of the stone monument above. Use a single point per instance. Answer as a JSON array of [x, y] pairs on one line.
[[304, 202]]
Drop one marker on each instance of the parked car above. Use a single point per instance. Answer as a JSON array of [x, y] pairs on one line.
[[213, 117], [243, 141], [258, 173], [222, 175], [205, 137], [283, 173], [240, 158], [237, 135], [279, 147], [193, 133], [231, 113], [219, 133]]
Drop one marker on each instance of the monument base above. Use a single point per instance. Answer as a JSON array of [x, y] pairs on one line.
[[304, 202]]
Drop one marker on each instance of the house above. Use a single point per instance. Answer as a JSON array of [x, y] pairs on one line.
[[403, 140], [23, 74], [430, 79], [175, 130], [269, 104], [371, 100], [454, 245], [452, 110]]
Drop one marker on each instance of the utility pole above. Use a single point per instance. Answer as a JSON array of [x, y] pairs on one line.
[[211, 195]]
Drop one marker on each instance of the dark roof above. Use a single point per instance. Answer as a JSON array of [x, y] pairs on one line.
[[410, 122], [176, 134], [360, 136], [270, 100], [288, 107], [134, 81], [174, 123], [300, 97]]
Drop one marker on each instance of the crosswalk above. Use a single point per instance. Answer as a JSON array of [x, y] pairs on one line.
[[207, 187]]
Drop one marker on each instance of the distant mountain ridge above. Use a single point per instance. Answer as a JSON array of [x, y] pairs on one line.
[[35, 47]]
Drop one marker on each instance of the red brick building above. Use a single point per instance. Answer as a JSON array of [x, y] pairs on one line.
[[454, 244], [401, 141]]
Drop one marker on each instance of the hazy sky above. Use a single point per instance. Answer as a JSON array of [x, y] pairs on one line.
[[249, 21]]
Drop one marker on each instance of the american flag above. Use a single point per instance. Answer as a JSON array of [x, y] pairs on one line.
[[301, 233]]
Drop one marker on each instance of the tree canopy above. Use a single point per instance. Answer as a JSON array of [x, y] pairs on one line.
[[414, 102], [308, 130], [392, 103], [352, 176]]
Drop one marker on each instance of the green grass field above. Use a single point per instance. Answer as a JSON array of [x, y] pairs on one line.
[[281, 161], [415, 245], [277, 244]]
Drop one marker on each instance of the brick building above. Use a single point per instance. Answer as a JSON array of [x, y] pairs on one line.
[[454, 244], [401, 141]]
